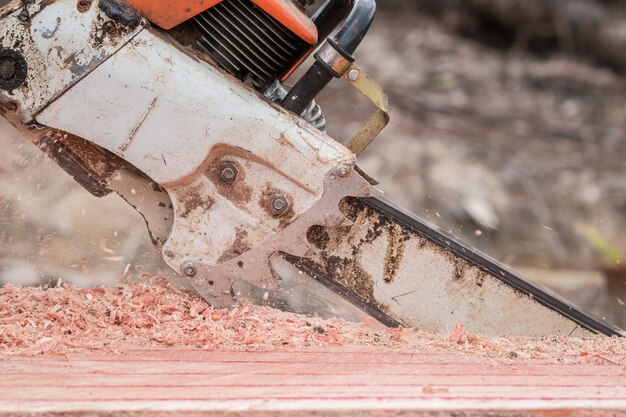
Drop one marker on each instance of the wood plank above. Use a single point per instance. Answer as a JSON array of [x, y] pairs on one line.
[[326, 382]]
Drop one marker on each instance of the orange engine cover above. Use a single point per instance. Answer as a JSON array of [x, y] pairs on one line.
[[167, 14]]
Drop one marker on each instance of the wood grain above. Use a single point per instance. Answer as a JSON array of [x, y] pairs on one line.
[[319, 382]]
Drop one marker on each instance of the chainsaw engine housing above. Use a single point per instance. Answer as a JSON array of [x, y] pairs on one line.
[[257, 41], [248, 42]]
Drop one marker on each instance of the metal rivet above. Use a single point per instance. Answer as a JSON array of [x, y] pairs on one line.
[[189, 269], [353, 75], [228, 172], [279, 204], [83, 5], [343, 171]]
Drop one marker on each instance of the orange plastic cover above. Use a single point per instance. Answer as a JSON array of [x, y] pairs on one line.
[[167, 14], [291, 17]]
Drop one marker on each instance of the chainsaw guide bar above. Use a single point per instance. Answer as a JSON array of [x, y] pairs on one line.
[[402, 270]]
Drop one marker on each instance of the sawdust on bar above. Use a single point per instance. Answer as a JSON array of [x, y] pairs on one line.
[[35, 321]]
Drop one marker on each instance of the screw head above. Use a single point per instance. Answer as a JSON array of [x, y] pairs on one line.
[[228, 172], [353, 75], [189, 269], [279, 204], [23, 16], [343, 171]]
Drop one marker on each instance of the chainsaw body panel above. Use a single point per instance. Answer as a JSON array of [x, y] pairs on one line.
[[274, 152], [59, 45]]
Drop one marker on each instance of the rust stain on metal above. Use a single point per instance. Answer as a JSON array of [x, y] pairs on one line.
[[111, 30], [237, 191], [193, 198], [10, 7], [461, 281], [223, 151], [318, 236], [70, 60], [464, 274], [46, 3], [459, 270], [282, 139], [94, 168], [348, 273], [239, 247], [91, 166], [395, 251], [264, 202], [352, 242], [7, 106], [346, 270]]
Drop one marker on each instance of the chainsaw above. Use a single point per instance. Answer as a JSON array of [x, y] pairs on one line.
[[184, 109]]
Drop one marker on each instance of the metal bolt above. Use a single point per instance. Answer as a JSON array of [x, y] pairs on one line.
[[353, 75], [8, 67], [228, 172], [23, 16], [189, 269], [279, 204], [343, 171]]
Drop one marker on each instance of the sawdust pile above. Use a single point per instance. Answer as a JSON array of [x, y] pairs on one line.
[[34, 321]]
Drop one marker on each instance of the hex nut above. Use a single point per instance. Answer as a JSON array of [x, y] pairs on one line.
[[279, 204], [343, 170], [189, 270], [228, 172]]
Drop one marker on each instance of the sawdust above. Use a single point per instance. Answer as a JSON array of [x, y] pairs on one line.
[[35, 321]]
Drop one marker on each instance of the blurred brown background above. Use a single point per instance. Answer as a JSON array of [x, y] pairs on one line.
[[508, 129]]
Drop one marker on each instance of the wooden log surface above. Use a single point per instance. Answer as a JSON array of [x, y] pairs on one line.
[[316, 382]]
